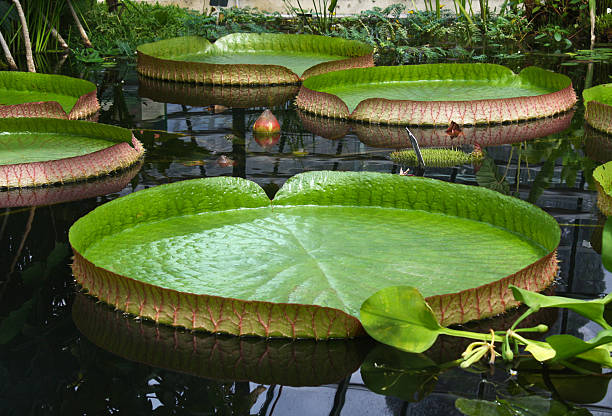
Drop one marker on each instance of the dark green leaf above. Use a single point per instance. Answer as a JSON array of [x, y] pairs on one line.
[[12, 325]]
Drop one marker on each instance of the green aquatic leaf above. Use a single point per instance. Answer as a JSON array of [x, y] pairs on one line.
[[430, 82], [526, 405], [592, 309], [327, 239], [26, 140], [297, 53], [606, 245], [568, 346], [399, 316], [27, 87]]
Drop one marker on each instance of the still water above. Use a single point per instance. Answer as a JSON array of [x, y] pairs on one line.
[[62, 353]]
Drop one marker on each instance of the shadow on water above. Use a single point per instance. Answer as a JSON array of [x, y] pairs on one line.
[[62, 353]]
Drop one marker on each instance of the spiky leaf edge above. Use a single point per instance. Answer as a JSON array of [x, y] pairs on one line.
[[155, 60], [85, 92], [239, 317], [473, 112], [126, 151]]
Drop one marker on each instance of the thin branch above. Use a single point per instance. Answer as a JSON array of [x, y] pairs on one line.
[[26, 37], [57, 36], [7, 53], [79, 25]]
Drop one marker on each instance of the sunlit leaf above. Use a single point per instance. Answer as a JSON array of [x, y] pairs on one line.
[[400, 317]]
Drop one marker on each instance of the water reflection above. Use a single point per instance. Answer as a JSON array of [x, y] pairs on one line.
[[48, 367]]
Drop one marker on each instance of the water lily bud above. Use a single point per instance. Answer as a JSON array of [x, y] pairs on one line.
[[507, 353], [266, 123], [542, 328]]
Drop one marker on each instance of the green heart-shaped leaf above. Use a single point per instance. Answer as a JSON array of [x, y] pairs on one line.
[[400, 317]]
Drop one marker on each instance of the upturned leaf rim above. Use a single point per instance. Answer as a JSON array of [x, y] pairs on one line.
[[293, 320], [411, 112], [598, 103], [83, 91], [156, 59], [125, 150]]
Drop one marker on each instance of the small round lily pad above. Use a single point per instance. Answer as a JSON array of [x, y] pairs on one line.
[[46, 151], [28, 94], [437, 94], [216, 254], [598, 102], [250, 58]]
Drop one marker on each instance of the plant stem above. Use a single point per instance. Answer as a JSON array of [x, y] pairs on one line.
[[7, 53], [471, 335], [26, 37], [79, 25]]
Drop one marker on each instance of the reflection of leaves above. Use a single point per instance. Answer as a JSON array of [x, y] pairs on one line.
[[405, 375], [569, 385], [527, 405], [12, 325], [489, 177]]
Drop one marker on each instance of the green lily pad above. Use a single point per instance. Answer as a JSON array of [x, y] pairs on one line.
[[598, 102], [602, 175], [218, 255], [265, 361], [43, 151], [250, 58], [27, 94], [437, 94]]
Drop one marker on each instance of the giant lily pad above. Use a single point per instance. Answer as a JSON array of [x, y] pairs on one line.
[[250, 58], [598, 102], [265, 361], [27, 94], [227, 95], [44, 151], [216, 254], [437, 94], [603, 182]]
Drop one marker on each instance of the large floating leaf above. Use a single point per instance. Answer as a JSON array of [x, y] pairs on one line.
[[329, 240], [250, 58], [598, 102], [26, 94], [437, 94], [37, 151]]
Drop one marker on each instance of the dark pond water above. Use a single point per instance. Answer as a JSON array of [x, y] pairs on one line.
[[62, 353]]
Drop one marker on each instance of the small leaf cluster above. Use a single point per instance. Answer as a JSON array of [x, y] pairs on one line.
[[400, 317]]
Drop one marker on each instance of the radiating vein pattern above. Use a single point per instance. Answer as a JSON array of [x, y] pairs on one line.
[[323, 255]]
